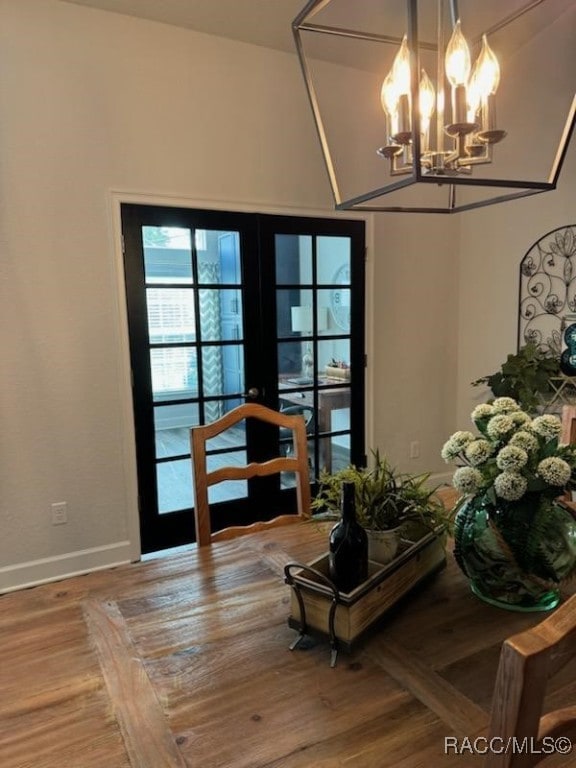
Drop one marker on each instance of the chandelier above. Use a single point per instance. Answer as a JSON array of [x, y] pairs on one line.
[[415, 127]]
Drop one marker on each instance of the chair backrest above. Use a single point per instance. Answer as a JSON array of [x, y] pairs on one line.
[[527, 661], [296, 462], [568, 434]]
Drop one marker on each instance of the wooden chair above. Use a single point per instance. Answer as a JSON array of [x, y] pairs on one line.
[[296, 462], [568, 434], [527, 661]]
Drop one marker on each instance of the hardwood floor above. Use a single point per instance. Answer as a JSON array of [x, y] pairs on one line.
[[183, 662]]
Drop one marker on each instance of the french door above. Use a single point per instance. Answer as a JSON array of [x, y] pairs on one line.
[[228, 307]]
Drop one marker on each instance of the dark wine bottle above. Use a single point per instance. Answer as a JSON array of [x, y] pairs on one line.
[[348, 558]]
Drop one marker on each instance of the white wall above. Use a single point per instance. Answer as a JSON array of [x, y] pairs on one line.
[[94, 102], [415, 335]]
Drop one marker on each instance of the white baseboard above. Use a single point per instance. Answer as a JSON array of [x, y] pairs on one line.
[[35, 572], [441, 478]]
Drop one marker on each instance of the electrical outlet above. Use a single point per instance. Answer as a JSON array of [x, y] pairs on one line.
[[59, 513], [415, 449]]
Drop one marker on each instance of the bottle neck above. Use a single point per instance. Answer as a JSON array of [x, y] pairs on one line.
[[348, 503]]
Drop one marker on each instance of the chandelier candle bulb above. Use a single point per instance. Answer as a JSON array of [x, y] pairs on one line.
[[458, 72], [457, 58], [426, 105]]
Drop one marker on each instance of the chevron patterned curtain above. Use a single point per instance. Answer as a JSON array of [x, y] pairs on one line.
[[212, 378]]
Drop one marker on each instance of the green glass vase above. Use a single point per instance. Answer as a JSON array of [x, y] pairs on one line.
[[516, 554]]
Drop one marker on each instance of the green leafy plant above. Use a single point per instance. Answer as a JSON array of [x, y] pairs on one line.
[[385, 499], [525, 377]]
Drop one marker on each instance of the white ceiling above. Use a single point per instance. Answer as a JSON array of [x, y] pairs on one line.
[[261, 22], [268, 22]]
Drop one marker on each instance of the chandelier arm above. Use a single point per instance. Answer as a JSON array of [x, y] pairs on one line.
[[484, 159]]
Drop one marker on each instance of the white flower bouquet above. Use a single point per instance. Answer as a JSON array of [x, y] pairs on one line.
[[512, 455]]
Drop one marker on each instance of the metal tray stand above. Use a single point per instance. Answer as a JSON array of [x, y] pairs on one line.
[[318, 607]]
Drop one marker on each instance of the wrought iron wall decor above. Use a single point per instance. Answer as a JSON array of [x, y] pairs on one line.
[[548, 289]]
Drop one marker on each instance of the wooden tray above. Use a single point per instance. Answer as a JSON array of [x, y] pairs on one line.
[[317, 605]]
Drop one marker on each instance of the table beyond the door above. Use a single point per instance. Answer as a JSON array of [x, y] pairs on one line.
[[329, 400]]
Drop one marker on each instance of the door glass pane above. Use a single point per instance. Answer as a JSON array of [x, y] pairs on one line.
[[174, 480], [219, 262], [293, 312], [295, 362], [223, 369], [334, 359], [229, 489], [328, 325], [333, 260], [334, 452], [234, 437], [221, 314], [301, 311], [174, 373], [340, 309], [170, 315], [293, 259], [172, 425], [167, 255]]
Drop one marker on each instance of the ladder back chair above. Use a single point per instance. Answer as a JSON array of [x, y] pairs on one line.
[[296, 462], [527, 661]]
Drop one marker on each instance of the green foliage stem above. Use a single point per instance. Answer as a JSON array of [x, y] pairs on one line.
[[524, 376]]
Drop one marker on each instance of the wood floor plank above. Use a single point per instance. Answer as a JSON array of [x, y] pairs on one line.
[[149, 741]]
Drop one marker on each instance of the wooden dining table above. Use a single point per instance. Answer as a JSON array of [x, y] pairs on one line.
[[184, 661]]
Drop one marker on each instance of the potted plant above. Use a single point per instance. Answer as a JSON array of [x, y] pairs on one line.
[[525, 377], [390, 505]]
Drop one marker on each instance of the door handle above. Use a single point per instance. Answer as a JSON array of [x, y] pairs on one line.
[[252, 393]]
